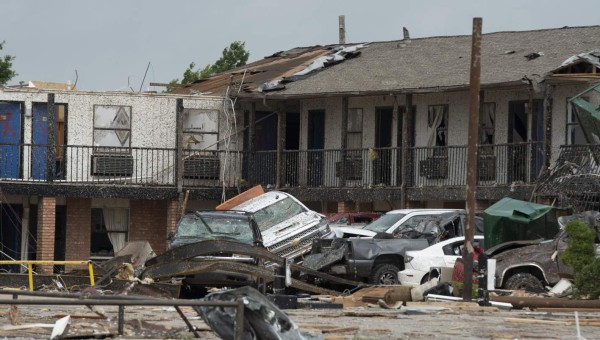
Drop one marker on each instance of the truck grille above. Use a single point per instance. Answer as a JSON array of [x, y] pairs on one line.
[[287, 241]]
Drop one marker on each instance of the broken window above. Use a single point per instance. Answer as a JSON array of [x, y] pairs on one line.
[[200, 129], [574, 132], [112, 128], [437, 121], [110, 228]]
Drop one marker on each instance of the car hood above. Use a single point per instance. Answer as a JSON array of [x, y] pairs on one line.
[[346, 232], [290, 227], [533, 252], [507, 246]]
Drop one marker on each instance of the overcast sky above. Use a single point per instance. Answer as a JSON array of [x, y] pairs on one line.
[[110, 42]]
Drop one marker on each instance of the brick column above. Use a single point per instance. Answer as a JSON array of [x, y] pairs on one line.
[[46, 232], [148, 222], [346, 206], [172, 216], [79, 230]]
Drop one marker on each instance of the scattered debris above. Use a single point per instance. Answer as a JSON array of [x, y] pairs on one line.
[[60, 327], [264, 319], [534, 55]]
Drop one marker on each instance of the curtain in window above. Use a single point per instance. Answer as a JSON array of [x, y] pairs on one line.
[[437, 112], [116, 222], [486, 124]]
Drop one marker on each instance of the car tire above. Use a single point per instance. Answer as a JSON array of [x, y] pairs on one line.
[[384, 274], [524, 281]]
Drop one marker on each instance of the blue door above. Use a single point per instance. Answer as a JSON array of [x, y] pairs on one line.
[[10, 137], [39, 141]]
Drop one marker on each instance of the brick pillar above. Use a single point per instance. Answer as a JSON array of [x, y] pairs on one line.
[[172, 216], [346, 206], [46, 231], [148, 222], [79, 230]]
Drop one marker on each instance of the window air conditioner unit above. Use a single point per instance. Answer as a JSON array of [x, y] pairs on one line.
[[112, 165], [353, 169], [201, 167], [435, 167]]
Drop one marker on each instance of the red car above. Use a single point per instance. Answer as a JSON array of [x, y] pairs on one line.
[[356, 220]]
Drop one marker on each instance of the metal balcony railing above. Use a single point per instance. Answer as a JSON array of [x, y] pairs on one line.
[[499, 164]]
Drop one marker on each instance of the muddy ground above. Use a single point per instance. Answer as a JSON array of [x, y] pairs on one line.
[[350, 323]]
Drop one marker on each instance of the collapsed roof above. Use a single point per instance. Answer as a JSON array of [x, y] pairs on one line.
[[415, 65]]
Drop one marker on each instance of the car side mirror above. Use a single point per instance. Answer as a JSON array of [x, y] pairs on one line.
[[170, 235]]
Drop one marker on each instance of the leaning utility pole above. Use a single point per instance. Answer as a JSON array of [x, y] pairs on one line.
[[472, 157]]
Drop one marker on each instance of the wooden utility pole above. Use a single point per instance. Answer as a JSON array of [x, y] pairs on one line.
[[406, 138], [472, 157], [179, 152], [342, 21]]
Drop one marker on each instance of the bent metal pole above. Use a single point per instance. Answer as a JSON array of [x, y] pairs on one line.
[[472, 157]]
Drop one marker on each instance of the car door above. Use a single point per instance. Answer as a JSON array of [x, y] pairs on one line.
[[453, 251]]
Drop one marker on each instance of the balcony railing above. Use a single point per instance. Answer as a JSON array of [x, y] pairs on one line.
[[500, 164]]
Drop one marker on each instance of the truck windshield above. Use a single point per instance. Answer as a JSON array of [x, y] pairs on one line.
[[209, 226], [277, 212], [384, 223]]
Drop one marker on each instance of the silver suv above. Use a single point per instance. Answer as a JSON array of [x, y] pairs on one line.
[[288, 227]]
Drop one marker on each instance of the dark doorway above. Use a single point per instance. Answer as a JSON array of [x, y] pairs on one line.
[[382, 158], [39, 138], [316, 141], [265, 159], [10, 234], [292, 145], [521, 156], [265, 144]]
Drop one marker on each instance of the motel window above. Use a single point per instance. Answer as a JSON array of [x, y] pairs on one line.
[[487, 119], [110, 229], [574, 132], [437, 122], [112, 128], [355, 129]]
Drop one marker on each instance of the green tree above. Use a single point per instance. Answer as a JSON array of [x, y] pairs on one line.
[[6, 72], [235, 55], [581, 255]]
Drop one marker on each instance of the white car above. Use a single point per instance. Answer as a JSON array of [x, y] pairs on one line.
[[418, 263], [392, 222]]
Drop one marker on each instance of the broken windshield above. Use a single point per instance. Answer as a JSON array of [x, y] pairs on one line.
[[384, 223], [277, 212], [214, 226]]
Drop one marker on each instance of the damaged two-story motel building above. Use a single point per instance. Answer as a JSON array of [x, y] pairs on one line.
[[328, 124]]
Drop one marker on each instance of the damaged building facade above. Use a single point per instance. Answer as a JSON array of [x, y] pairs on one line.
[[81, 173], [329, 124]]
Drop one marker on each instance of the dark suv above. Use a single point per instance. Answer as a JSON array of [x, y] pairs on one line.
[[238, 226]]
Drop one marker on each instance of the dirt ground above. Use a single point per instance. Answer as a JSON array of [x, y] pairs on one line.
[[420, 322]]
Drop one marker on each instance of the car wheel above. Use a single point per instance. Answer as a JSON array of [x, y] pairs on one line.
[[385, 274], [526, 281]]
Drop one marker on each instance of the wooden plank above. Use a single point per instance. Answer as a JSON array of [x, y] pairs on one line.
[[241, 198]]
